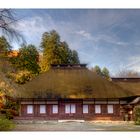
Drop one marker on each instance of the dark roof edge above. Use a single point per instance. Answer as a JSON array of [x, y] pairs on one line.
[[125, 77], [68, 65], [95, 99]]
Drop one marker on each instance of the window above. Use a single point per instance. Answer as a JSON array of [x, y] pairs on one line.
[[110, 109], [70, 108], [67, 108], [97, 109], [29, 109], [55, 109], [73, 108], [85, 108], [42, 109]]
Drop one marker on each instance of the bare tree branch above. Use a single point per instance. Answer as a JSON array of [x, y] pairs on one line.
[[127, 73], [7, 20]]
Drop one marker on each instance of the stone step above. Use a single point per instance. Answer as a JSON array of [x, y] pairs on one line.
[[71, 120]]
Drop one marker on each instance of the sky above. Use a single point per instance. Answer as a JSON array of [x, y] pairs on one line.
[[105, 37]]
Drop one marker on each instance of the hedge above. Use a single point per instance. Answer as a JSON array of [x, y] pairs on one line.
[[137, 115]]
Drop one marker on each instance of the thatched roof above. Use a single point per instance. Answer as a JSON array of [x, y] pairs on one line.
[[71, 83], [133, 87]]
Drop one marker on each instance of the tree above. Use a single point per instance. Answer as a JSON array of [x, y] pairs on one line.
[[65, 53], [55, 51], [50, 45], [4, 46], [75, 58], [127, 73], [105, 73], [27, 59], [68, 56], [7, 20], [101, 72], [97, 70]]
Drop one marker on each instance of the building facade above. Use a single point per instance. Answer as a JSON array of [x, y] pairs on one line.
[[71, 109], [72, 93]]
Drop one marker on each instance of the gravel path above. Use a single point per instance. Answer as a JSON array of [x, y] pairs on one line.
[[76, 126]]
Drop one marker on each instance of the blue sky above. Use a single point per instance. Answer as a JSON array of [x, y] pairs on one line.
[[109, 38]]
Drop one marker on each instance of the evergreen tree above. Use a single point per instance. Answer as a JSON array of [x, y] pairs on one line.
[[97, 69], [105, 73], [75, 58], [27, 59], [55, 51], [4, 46]]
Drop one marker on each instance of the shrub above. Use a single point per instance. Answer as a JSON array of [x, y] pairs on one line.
[[9, 113], [3, 111], [11, 105], [23, 76], [137, 115], [10, 109], [10, 75], [5, 124]]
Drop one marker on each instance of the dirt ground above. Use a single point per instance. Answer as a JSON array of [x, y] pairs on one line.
[[76, 126]]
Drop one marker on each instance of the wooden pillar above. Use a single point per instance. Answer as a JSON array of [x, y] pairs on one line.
[[19, 109]]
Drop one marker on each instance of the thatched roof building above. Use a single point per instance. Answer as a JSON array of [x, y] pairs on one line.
[[72, 81], [75, 92]]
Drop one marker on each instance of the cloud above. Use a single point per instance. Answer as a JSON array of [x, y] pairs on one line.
[[31, 25], [133, 63], [129, 63], [99, 23], [85, 34], [32, 28], [98, 38], [105, 37]]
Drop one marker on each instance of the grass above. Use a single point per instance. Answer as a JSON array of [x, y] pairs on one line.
[[5, 124]]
